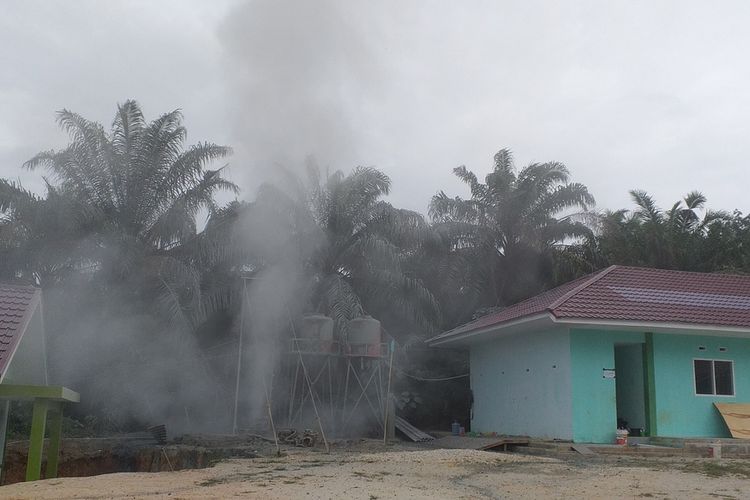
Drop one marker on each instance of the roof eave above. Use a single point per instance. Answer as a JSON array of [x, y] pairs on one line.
[[658, 326], [463, 338], [547, 319]]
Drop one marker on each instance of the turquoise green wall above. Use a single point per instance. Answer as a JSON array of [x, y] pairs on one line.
[[679, 412], [594, 397]]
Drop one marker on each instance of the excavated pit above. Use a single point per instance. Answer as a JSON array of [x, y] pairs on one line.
[[94, 456]]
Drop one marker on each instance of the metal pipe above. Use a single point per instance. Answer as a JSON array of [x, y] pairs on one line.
[[239, 357]]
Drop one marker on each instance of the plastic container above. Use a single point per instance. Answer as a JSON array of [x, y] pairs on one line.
[[455, 428], [621, 437]]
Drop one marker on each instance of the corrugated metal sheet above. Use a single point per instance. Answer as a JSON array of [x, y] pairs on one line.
[[412, 432]]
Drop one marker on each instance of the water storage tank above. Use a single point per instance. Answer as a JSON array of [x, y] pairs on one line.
[[316, 326], [316, 334], [364, 337]]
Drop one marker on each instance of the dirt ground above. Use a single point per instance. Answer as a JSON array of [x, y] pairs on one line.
[[414, 473]]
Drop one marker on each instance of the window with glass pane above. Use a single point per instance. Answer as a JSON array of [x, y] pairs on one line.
[[723, 378], [713, 377], [704, 383]]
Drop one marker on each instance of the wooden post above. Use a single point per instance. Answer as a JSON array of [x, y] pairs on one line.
[[55, 436], [36, 441]]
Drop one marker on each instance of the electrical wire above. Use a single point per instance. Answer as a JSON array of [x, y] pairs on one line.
[[423, 379]]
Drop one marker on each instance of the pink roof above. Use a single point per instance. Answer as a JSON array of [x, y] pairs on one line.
[[17, 306], [635, 294]]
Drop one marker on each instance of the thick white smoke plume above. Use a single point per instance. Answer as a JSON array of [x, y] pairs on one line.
[[305, 76]]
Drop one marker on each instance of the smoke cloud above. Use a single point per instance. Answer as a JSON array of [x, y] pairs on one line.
[[304, 77]]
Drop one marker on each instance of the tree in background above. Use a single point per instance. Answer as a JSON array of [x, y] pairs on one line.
[[350, 247], [141, 190], [498, 245], [687, 237], [42, 239], [360, 266], [106, 244]]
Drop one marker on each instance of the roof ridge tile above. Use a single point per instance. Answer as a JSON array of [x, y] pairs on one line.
[[592, 279]]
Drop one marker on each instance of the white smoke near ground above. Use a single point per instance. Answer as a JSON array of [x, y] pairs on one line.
[[132, 370]]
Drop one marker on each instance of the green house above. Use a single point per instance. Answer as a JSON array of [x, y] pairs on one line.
[[650, 348]]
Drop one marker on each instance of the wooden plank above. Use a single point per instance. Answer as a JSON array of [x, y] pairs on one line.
[[504, 442], [479, 443], [583, 450], [737, 418]]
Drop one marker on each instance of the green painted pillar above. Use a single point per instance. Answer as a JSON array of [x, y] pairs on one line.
[[650, 384], [4, 413], [55, 436], [36, 440]]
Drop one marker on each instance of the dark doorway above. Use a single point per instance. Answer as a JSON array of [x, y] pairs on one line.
[[629, 385]]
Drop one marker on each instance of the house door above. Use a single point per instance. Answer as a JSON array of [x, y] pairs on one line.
[[629, 386]]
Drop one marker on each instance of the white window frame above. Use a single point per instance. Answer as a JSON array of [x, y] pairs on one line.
[[713, 379]]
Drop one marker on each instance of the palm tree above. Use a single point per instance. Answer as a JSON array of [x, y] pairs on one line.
[[42, 239], [502, 235], [650, 236], [333, 235], [360, 266], [112, 244], [142, 190]]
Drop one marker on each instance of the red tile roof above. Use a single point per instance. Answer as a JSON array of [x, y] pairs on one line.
[[635, 294], [17, 305]]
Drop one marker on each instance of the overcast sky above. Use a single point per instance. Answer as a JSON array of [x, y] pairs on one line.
[[650, 95]]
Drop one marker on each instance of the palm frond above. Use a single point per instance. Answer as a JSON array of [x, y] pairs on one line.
[[647, 209]]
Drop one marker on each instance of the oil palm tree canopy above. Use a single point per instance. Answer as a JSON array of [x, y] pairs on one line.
[[42, 239], [361, 267], [354, 246], [346, 247], [132, 195], [139, 175], [508, 225], [677, 238]]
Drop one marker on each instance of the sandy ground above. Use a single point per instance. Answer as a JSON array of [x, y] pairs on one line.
[[422, 474]]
